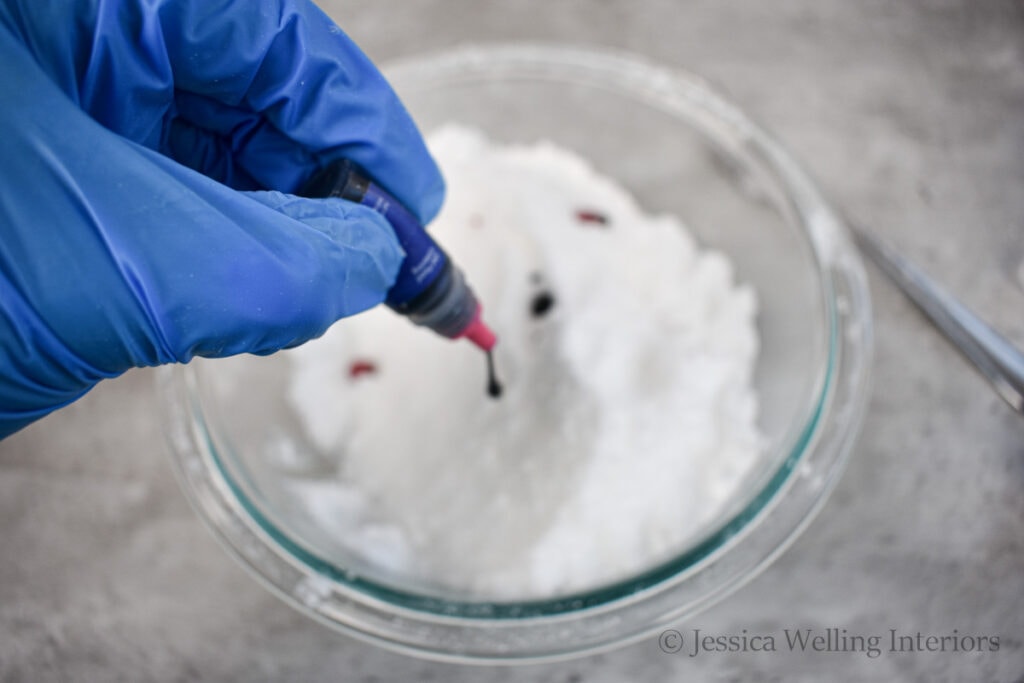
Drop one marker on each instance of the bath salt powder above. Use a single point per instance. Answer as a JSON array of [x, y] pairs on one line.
[[628, 417]]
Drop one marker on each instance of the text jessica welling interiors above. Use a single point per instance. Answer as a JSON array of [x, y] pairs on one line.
[[696, 642]]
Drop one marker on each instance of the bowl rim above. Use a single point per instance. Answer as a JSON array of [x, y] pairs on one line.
[[629, 610]]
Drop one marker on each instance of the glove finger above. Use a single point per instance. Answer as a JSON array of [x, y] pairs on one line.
[[208, 153], [361, 253], [233, 146], [270, 271], [291, 64]]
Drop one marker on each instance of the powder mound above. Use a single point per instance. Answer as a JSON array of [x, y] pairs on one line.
[[628, 417]]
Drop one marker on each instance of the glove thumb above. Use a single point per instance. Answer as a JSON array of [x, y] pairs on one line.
[[282, 279]]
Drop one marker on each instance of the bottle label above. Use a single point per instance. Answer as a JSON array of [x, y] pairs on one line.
[[424, 260]]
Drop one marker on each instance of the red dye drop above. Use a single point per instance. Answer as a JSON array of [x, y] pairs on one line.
[[358, 368], [591, 216]]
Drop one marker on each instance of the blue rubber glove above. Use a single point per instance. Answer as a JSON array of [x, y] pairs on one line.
[[139, 139]]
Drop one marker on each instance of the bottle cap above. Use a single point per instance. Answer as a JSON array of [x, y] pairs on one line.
[[478, 332]]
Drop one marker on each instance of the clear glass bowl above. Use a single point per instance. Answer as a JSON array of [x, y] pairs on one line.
[[680, 149]]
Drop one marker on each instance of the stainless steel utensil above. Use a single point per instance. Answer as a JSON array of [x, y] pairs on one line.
[[997, 359]]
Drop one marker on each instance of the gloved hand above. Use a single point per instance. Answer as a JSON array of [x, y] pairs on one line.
[[138, 140]]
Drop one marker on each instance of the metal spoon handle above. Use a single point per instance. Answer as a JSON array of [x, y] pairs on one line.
[[999, 360]]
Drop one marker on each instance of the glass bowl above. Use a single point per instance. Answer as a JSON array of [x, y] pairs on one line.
[[680, 149]]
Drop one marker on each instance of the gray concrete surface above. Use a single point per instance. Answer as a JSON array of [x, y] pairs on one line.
[[911, 114]]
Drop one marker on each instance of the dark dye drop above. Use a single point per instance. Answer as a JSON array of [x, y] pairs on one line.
[[542, 304], [494, 388]]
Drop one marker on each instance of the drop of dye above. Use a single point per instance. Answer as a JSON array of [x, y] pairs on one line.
[[542, 304], [592, 217], [494, 388]]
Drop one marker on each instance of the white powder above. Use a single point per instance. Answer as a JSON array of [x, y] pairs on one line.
[[628, 417]]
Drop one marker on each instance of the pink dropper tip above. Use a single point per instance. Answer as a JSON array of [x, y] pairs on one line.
[[478, 333]]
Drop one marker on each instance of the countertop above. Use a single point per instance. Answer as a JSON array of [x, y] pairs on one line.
[[910, 115]]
